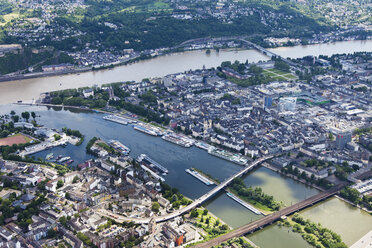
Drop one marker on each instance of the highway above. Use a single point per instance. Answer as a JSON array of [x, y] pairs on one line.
[[188, 208], [260, 223]]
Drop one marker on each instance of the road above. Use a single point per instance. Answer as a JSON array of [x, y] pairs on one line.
[[188, 208], [260, 223]]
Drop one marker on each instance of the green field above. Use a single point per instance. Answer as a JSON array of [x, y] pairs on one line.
[[279, 75]]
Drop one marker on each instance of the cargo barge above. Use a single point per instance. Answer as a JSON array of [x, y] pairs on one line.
[[199, 176], [117, 145], [235, 158], [117, 119], [243, 203], [178, 139], [151, 164]]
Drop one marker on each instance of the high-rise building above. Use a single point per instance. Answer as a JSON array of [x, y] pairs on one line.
[[342, 139], [268, 101]]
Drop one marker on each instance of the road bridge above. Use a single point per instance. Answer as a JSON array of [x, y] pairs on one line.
[[268, 53], [194, 204], [267, 220], [240, 38]]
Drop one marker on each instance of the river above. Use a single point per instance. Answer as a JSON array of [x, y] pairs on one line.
[[332, 213], [28, 89]]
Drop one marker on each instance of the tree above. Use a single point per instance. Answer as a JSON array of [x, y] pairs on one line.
[[33, 115], [59, 184], [63, 221], [15, 118], [224, 227], [205, 212], [155, 207], [281, 65], [25, 115], [351, 194], [194, 213], [207, 220], [75, 180]]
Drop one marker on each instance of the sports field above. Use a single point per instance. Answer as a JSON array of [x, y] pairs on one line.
[[15, 139]]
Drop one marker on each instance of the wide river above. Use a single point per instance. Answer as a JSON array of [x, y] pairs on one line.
[[351, 223], [29, 89]]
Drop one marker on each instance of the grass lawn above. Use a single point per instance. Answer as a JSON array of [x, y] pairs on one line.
[[211, 229], [159, 5], [277, 71], [9, 17], [278, 75]]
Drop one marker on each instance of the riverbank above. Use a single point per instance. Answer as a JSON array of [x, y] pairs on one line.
[[353, 204], [313, 233], [42, 74], [268, 166], [216, 181], [160, 66], [136, 59]]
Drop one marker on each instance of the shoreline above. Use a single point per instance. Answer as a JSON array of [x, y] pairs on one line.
[[136, 59], [266, 165]]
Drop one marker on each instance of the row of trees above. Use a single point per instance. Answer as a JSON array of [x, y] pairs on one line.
[[25, 115], [355, 197], [174, 196], [315, 233], [294, 171], [71, 132], [149, 114], [255, 194]]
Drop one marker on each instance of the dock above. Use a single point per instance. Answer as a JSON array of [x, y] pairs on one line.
[[365, 241], [243, 203], [200, 177]]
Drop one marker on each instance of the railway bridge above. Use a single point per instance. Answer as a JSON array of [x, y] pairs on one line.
[[269, 219]]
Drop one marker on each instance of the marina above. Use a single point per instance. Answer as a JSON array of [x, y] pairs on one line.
[[117, 145], [178, 139], [235, 158], [151, 164], [197, 175], [117, 119], [243, 203]]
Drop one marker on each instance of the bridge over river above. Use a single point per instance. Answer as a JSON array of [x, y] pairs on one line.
[[267, 220], [242, 39], [193, 205]]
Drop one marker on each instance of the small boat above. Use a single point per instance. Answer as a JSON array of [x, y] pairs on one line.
[[49, 156], [59, 157], [70, 161], [64, 159]]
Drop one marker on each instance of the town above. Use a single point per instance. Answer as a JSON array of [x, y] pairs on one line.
[[54, 36], [309, 121]]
